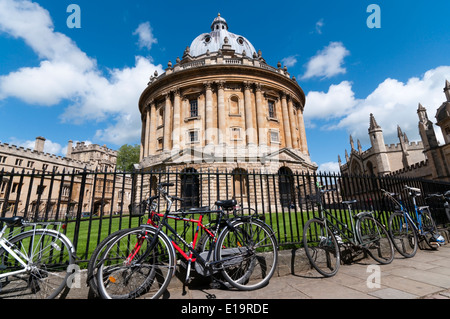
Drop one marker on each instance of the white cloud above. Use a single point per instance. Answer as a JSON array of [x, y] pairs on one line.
[[392, 102], [145, 35], [329, 167], [290, 61], [337, 102], [66, 73], [327, 62], [49, 146], [32, 23], [319, 25]]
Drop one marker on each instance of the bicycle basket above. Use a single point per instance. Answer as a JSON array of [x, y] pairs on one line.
[[313, 198], [138, 209]]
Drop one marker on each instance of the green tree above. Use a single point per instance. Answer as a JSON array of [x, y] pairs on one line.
[[127, 155]]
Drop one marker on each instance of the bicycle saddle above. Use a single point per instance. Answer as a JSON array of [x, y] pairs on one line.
[[228, 203], [12, 221]]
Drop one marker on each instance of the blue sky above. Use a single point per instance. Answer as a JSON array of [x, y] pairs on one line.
[[83, 84]]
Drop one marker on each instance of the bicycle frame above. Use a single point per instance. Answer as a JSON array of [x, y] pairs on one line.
[[417, 224], [15, 253], [334, 223], [19, 256], [191, 255]]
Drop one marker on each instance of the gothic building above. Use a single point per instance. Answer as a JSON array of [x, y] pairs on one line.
[[425, 158], [221, 106]]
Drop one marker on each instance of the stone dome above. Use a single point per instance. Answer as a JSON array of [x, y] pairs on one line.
[[219, 35]]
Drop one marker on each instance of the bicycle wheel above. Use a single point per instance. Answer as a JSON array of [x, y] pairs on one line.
[[375, 239], [403, 235], [134, 266], [247, 253], [321, 247], [429, 229], [49, 257], [94, 262]]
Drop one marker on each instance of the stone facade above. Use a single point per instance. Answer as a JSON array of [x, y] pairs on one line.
[[41, 180], [425, 159], [223, 107]]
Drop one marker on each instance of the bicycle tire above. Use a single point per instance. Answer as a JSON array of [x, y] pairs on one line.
[[51, 260], [429, 228], [147, 275], [91, 278], [247, 252], [375, 239], [403, 235], [321, 247]]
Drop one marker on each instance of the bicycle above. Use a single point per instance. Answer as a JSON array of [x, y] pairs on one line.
[[324, 235], [34, 263], [141, 261], [406, 232], [443, 199]]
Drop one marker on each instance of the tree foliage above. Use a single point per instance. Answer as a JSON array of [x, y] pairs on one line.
[[127, 155]]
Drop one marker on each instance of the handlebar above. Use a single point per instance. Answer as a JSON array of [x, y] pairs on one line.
[[413, 189]]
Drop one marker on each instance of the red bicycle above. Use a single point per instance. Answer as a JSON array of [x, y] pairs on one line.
[[140, 262]]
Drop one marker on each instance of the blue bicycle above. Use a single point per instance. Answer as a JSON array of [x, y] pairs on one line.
[[406, 232]]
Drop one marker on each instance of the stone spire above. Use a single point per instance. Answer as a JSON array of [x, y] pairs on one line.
[[447, 90], [373, 123]]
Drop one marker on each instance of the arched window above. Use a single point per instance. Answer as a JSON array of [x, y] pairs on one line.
[[189, 188], [234, 105], [286, 187]]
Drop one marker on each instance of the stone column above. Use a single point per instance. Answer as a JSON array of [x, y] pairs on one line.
[[208, 114], [302, 132], [167, 123], [141, 152], [294, 130], [250, 131], [221, 114], [176, 118], [286, 124], [153, 126], [260, 116], [147, 131]]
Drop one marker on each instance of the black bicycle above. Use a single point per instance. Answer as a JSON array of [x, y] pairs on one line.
[[444, 200], [324, 235]]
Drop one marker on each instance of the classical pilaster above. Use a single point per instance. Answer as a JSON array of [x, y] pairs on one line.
[[176, 118], [153, 126], [301, 129], [248, 109], [221, 112], [260, 116], [167, 123], [286, 123], [208, 113], [141, 153], [147, 131], [294, 129]]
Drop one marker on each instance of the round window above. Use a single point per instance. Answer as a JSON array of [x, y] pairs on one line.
[[240, 40], [207, 39]]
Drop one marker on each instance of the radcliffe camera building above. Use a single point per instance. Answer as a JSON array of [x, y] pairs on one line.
[[221, 106]]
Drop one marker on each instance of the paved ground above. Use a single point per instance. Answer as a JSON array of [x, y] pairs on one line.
[[425, 276]]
